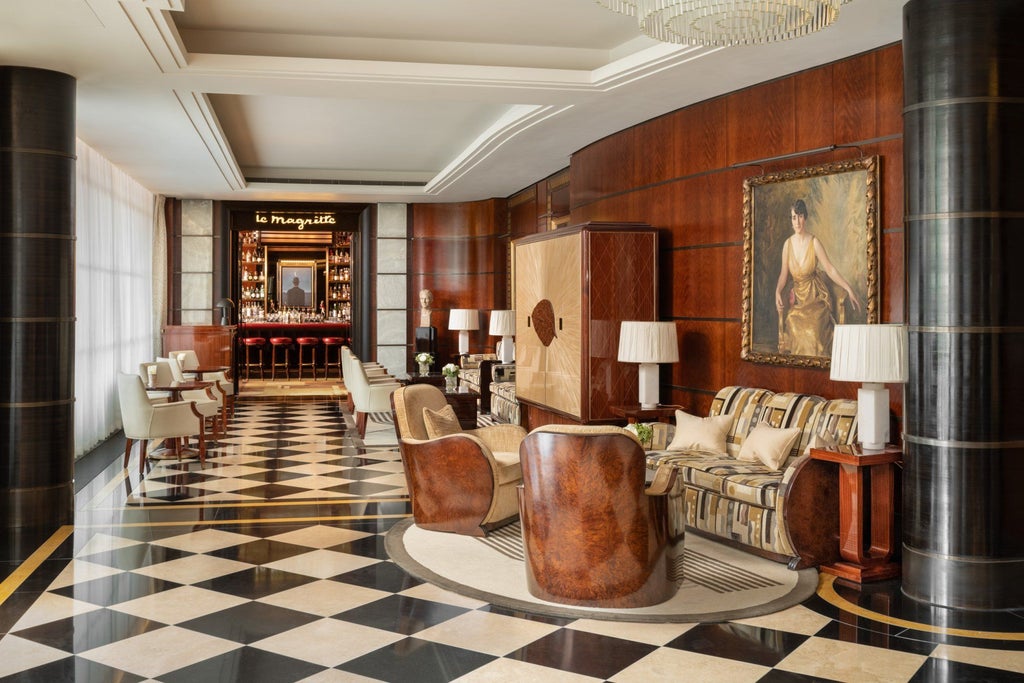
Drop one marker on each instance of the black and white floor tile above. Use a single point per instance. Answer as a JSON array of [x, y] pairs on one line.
[[268, 564]]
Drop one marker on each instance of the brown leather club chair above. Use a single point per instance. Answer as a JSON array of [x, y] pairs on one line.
[[593, 535], [464, 482]]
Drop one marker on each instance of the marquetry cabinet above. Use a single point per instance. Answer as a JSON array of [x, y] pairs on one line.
[[573, 287]]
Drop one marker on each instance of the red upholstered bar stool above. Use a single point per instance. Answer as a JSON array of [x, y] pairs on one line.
[[253, 344], [276, 343], [311, 344], [332, 343]]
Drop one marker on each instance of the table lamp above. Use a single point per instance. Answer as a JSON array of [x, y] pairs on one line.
[[503, 324], [873, 355], [463, 320], [648, 343]]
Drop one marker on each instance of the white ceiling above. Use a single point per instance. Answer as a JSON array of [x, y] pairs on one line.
[[402, 100]]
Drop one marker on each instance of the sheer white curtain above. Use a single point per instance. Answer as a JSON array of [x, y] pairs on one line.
[[114, 288]]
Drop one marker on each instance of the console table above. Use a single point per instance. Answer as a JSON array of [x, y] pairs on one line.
[[867, 513], [634, 413]]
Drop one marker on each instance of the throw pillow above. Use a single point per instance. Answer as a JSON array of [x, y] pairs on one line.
[[770, 445], [700, 433], [441, 422]]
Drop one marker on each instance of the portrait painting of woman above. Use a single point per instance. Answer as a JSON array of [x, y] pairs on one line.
[[810, 260], [807, 308]]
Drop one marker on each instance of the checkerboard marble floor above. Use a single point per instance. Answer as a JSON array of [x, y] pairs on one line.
[[269, 565]]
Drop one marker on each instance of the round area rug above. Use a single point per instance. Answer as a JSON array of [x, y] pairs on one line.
[[719, 584]]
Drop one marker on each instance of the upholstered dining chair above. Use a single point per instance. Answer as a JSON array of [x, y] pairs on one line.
[[459, 481], [210, 402], [145, 421], [189, 362], [369, 390], [161, 374], [593, 535]]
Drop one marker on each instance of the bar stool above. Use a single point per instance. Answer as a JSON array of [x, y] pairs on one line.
[[311, 344], [275, 344], [252, 343], [332, 343]]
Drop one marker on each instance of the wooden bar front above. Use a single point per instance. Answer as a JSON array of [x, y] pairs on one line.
[[213, 344]]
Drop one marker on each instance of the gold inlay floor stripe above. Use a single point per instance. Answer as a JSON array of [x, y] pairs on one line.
[[164, 507], [25, 569], [235, 522], [827, 592]]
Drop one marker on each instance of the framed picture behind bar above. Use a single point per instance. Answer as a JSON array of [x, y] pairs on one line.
[[296, 283], [810, 259]]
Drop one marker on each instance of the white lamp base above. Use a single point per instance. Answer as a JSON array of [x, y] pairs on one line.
[[463, 342], [873, 416], [648, 385], [507, 350]]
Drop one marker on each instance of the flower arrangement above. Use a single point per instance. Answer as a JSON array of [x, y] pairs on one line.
[[644, 432], [450, 370], [424, 358]]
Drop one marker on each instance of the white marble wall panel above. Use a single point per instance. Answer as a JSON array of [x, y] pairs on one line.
[[196, 317], [392, 298], [197, 262], [390, 327], [197, 217], [393, 358], [391, 292], [391, 255], [392, 220], [195, 292], [196, 254]]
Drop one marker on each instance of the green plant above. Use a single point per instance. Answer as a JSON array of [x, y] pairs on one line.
[[450, 370], [644, 432]]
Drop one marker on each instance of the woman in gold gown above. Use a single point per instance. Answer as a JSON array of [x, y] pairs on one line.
[[806, 316]]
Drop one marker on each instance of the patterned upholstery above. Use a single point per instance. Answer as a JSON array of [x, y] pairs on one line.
[[504, 405], [837, 422], [470, 377], [739, 500]]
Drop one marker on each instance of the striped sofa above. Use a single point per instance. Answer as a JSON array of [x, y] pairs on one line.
[[746, 503]]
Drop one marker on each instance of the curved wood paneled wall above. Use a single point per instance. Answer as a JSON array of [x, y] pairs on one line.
[[683, 173], [460, 253]]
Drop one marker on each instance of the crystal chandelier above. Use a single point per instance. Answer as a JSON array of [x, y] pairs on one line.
[[721, 23]]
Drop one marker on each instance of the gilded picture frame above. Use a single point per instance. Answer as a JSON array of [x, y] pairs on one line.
[[288, 271], [793, 298]]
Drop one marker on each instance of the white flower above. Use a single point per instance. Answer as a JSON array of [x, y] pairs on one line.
[[423, 358], [450, 370]]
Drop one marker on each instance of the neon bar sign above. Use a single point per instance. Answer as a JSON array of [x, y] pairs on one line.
[[298, 221]]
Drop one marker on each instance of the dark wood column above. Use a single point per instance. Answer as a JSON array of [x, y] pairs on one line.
[[37, 302], [964, 169]]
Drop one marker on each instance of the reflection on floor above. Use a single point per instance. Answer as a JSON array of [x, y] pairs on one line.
[[269, 565]]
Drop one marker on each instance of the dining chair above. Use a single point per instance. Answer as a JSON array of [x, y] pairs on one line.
[[144, 421], [189, 361], [210, 402]]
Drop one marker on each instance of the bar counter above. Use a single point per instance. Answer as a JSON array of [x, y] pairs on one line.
[[294, 331]]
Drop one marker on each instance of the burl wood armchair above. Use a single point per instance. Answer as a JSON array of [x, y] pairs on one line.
[[593, 535], [464, 482]]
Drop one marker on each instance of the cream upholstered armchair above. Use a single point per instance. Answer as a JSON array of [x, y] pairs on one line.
[[189, 362], [145, 421], [161, 374], [459, 481], [368, 388], [210, 402]]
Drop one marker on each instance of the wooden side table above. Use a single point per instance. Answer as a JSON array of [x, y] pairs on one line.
[[867, 513], [464, 404], [634, 413]]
